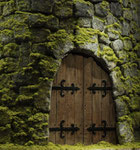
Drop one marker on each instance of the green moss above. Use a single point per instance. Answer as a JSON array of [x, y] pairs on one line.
[[39, 117], [135, 103], [133, 39], [136, 119], [137, 47], [109, 54], [51, 146], [9, 8], [115, 25], [23, 98], [10, 50], [8, 65], [82, 1], [23, 5], [58, 40], [86, 35], [63, 8], [125, 98], [6, 36]]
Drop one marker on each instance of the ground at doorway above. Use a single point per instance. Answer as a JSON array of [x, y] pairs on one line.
[[50, 146]]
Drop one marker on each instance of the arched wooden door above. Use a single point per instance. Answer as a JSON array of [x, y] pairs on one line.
[[82, 109]]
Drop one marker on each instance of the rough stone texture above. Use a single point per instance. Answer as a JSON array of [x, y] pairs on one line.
[[111, 19], [125, 28], [97, 23], [121, 107], [100, 10], [83, 9], [116, 9], [104, 40], [127, 14], [117, 45], [42, 6], [34, 37], [63, 9], [85, 22], [125, 131]]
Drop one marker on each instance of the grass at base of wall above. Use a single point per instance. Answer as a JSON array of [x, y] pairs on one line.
[[100, 146]]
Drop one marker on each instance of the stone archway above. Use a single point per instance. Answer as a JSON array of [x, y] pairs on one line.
[[123, 128]]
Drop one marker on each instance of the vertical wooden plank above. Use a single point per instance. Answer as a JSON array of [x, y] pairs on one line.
[[105, 104], [108, 112], [79, 99], [87, 100], [52, 118], [70, 98], [60, 103], [97, 99]]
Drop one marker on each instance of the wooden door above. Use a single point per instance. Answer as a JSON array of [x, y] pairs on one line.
[[82, 109]]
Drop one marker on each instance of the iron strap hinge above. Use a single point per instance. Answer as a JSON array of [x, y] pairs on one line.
[[71, 129], [63, 88], [93, 88], [93, 129]]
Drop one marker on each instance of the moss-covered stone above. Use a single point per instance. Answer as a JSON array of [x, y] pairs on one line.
[[23, 5], [6, 36], [42, 6], [83, 8], [9, 8], [63, 9]]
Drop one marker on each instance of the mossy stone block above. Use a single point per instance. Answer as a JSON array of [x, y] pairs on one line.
[[125, 132], [127, 44], [84, 22], [125, 28], [116, 9], [110, 19], [40, 35], [6, 36], [127, 14], [5, 136], [121, 107], [136, 119], [63, 9], [43, 48], [23, 5], [5, 117], [101, 9], [42, 6], [10, 50], [40, 20], [83, 8], [9, 8], [117, 45], [97, 23]]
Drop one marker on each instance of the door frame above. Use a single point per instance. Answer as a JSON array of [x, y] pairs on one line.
[[102, 62]]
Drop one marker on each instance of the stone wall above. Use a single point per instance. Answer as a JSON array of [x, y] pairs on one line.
[[34, 37]]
